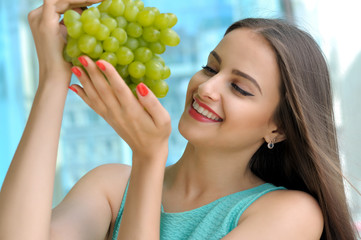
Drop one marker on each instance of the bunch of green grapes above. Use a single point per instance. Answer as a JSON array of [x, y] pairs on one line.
[[126, 34]]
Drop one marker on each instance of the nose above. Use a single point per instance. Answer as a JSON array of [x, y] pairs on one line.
[[210, 89]]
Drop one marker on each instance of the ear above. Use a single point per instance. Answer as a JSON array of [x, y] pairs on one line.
[[275, 136]]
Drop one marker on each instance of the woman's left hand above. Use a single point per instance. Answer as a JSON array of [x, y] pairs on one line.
[[50, 35], [143, 123]]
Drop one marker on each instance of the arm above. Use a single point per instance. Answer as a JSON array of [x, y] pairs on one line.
[[26, 194], [280, 215], [91, 205], [145, 125]]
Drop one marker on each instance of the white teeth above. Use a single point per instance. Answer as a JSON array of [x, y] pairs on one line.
[[204, 112]]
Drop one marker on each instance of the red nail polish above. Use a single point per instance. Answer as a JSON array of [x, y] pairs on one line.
[[100, 65], [83, 61], [142, 89], [76, 71], [73, 89]]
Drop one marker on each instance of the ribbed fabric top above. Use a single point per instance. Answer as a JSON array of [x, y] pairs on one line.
[[211, 221]]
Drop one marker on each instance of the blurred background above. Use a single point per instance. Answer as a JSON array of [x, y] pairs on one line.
[[86, 140]]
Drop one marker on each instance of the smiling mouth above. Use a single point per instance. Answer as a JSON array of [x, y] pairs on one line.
[[205, 113]]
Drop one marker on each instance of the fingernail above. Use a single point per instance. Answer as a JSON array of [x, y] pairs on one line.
[[142, 89], [73, 89], [100, 65], [83, 61], [76, 71]]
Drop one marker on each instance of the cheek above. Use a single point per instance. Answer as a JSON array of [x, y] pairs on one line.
[[250, 119], [193, 84]]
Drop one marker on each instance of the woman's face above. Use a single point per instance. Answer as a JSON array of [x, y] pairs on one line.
[[231, 102]]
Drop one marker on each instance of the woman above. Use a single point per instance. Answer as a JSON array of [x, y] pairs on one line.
[[259, 115]]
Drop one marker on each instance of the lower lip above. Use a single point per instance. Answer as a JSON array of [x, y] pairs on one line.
[[199, 117]]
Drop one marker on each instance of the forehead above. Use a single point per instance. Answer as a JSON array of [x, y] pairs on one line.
[[248, 51]]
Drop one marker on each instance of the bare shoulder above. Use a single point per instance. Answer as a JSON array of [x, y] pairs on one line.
[[112, 180], [282, 214]]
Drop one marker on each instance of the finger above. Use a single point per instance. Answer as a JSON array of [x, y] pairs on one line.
[[82, 94], [151, 103], [49, 12], [61, 7], [99, 82], [88, 92], [120, 88], [34, 16]]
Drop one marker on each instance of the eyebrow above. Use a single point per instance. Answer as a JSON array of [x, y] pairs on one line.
[[238, 72]]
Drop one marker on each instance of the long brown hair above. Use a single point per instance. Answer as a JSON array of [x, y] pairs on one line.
[[308, 160]]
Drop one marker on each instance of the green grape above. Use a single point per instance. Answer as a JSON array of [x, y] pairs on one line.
[[127, 35], [87, 14], [104, 6], [66, 55], [172, 20], [142, 42], [165, 72], [132, 43], [159, 59], [139, 4], [86, 43], [116, 8], [134, 30], [75, 29], [137, 80], [153, 69], [95, 11], [120, 35], [97, 52], [102, 33], [110, 44], [143, 54], [150, 34], [126, 2], [91, 26], [160, 88], [146, 17], [131, 12], [71, 16], [72, 48], [110, 22], [149, 82], [169, 37], [110, 57], [122, 70], [136, 69], [121, 21], [161, 21], [75, 61], [155, 10], [124, 55], [104, 15], [157, 47]]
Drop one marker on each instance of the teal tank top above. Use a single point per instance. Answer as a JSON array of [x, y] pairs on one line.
[[211, 221]]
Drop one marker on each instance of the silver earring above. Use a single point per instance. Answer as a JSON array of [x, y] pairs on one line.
[[271, 145]]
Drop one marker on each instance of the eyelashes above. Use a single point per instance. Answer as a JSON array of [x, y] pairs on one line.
[[210, 71], [240, 90]]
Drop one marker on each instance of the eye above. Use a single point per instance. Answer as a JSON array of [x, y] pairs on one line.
[[209, 70], [240, 90]]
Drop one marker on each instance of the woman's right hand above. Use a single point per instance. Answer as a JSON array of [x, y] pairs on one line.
[[143, 123], [50, 35]]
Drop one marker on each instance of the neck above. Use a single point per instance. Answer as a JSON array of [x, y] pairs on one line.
[[204, 171]]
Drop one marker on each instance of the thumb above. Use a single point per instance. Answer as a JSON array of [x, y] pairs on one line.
[[151, 103]]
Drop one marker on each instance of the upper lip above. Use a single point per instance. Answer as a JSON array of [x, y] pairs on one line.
[[206, 107]]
